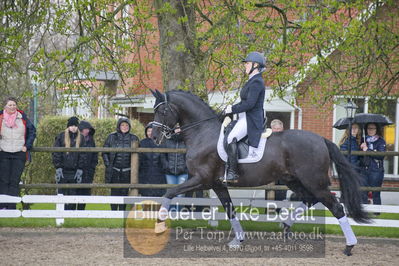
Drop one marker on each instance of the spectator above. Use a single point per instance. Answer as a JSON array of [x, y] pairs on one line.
[[278, 126], [91, 161], [118, 164], [150, 166], [373, 166], [174, 164], [17, 134], [69, 165], [353, 142]]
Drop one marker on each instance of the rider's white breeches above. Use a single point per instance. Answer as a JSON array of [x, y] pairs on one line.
[[240, 129]]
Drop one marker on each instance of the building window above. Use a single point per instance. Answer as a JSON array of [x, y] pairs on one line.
[[388, 107]]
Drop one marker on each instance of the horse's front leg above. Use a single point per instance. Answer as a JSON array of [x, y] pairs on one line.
[[224, 197], [191, 184]]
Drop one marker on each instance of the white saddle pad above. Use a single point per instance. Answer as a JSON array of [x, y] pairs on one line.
[[254, 154]]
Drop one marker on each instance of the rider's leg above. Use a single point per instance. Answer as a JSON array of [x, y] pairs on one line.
[[239, 131], [232, 162]]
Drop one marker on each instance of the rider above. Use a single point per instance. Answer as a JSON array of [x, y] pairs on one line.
[[250, 112]]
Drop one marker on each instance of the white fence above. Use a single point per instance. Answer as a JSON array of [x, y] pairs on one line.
[[213, 215]]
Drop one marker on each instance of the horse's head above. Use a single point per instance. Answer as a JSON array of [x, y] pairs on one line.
[[165, 118]]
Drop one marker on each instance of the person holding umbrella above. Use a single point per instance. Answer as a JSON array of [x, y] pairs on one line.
[[373, 166], [354, 141]]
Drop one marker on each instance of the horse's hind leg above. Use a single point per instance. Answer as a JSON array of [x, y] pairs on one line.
[[301, 194], [331, 202], [224, 197]]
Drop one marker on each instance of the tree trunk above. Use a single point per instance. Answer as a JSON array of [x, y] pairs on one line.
[[180, 57]]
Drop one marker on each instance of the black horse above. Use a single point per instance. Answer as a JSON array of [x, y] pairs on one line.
[[299, 158]]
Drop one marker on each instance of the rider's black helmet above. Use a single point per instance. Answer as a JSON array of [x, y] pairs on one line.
[[256, 57]]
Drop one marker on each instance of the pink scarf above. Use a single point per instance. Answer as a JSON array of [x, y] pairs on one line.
[[10, 119]]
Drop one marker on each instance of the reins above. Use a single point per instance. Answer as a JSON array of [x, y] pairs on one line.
[[168, 132]]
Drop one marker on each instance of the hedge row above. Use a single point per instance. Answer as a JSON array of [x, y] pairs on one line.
[[41, 169]]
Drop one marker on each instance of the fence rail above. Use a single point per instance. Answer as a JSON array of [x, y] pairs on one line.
[[105, 149], [165, 186], [214, 215], [172, 150]]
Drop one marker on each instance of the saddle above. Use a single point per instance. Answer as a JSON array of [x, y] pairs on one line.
[[242, 145]]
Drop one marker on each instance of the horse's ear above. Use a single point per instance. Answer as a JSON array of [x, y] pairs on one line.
[[159, 94], [153, 93]]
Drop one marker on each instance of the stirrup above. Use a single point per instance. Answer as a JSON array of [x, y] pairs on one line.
[[231, 178], [224, 179]]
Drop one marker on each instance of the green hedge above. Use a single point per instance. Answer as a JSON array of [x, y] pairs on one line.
[[41, 169]]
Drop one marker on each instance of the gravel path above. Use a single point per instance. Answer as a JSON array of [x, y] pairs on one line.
[[100, 246]]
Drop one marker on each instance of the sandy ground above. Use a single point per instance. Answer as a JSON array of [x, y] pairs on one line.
[[98, 246]]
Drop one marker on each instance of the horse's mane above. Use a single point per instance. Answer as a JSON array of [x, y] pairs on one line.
[[194, 98]]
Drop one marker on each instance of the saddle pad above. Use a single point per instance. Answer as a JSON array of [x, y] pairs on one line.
[[254, 154]]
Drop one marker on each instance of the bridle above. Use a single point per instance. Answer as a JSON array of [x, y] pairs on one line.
[[168, 132]]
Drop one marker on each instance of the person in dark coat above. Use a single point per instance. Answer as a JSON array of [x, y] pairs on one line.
[[354, 142], [150, 171], [117, 165], [69, 165], [174, 164], [373, 166], [250, 112], [17, 134], [91, 162]]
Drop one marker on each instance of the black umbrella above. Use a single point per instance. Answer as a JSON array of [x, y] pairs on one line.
[[342, 123], [379, 119]]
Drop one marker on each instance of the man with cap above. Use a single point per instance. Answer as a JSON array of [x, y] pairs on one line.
[[91, 161], [69, 165], [118, 163]]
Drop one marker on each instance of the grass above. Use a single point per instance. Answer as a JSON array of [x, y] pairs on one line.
[[223, 225]]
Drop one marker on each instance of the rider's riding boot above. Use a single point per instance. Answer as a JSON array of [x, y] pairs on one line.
[[232, 162]]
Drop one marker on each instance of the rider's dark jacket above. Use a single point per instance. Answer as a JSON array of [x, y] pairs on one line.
[[252, 97]]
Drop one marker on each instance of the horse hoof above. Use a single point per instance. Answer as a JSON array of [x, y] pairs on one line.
[[235, 243], [160, 227], [348, 250], [286, 231]]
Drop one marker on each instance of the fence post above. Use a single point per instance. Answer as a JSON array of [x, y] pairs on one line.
[[134, 169], [270, 194], [59, 207]]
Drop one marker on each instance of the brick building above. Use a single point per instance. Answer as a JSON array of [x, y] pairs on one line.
[[301, 115]]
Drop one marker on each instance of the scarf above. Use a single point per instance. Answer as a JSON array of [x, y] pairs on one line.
[[9, 119], [372, 138]]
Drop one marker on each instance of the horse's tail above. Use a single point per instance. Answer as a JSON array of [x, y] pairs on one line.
[[349, 183]]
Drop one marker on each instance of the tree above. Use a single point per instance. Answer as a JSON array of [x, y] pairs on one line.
[[201, 43], [354, 43], [56, 43]]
